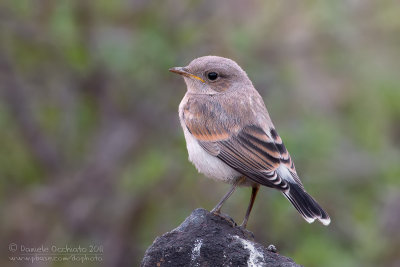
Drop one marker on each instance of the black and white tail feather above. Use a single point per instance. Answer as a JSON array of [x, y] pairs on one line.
[[305, 204]]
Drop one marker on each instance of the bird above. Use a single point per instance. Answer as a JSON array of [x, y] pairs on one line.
[[230, 136]]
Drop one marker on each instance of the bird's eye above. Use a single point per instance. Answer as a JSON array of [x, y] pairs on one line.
[[212, 76]]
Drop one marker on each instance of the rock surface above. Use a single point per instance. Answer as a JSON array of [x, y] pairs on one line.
[[205, 239]]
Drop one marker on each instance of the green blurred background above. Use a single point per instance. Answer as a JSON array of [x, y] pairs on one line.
[[91, 147]]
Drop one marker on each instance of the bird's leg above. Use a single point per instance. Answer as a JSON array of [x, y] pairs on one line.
[[217, 208], [254, 192]]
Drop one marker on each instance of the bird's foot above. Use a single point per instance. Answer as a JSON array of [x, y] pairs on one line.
[[246, 232], [224, 216]]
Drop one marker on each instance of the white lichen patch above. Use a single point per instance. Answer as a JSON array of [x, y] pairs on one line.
[[196, 249], [256, 258]]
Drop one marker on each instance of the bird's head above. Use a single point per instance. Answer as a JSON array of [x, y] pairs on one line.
[[213, 75]]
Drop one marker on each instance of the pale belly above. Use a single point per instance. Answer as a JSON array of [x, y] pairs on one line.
[[207, 164]]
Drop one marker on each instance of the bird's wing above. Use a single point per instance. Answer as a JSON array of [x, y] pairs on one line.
[[261, 156], [250, 151]]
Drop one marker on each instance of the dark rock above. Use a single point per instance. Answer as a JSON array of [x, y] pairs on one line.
[[205, 239]]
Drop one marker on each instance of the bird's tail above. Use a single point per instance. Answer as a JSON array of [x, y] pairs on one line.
[[306, 205]]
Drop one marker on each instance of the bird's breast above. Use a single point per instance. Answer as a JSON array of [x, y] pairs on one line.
[[205, 163]]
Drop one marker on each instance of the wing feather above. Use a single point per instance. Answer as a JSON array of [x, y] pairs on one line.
[[251, 152]]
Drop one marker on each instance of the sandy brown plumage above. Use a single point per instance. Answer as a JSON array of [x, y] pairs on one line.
[[231, 137]]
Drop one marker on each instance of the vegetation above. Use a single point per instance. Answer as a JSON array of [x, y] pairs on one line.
[[91, 147]]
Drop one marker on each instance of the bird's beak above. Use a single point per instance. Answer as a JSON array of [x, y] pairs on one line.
[[183, 71]]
